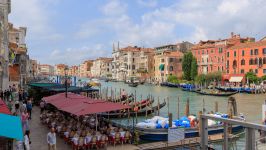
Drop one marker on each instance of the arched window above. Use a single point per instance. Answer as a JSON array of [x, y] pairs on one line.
[[256, 61], [260, 62], [264, 60], [234, 64], [242, 62], [251, 61]]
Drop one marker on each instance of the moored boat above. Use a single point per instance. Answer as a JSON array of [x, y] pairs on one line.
[[133, 84], [142, 112], [215, 93]]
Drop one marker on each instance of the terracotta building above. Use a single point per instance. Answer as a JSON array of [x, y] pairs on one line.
[[211, 54], [45, 69], [102, 67], [167, 63], [73, 71], [60, 69], [247, 57], [85, 68]]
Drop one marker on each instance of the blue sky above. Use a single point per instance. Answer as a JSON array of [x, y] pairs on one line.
[[71, 31]]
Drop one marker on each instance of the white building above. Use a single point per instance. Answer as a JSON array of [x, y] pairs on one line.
[[102, 67]]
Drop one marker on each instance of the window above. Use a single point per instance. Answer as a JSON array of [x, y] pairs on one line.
[[242, 62], [202, 52], [264, 50], [133, 67], [251, 52], [251, 61], [207, 60], [256, 71], [260, 62], [171, 68], [243, 53], [227, 64], [218, 68], [222, 68], [256, 61], [171, 59], [202, 60], [212, 51], [228, 54], [256, 52], [234, 53], [250, 70], [162, 60], [234, 64], [133, 60], [220, 50], [264, 71], [218, 59], [264, 60], [242, 71]]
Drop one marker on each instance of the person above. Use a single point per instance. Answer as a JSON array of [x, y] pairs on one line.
[[27, 141], [17, 109], [123, 95], [29, 108], [42, 105], [20, 96], [24, 118], [2, 95], [51, 139]]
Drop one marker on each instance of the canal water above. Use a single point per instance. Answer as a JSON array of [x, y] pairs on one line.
[[249, 105]]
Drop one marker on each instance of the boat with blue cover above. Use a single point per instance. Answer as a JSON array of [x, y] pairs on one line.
[[157, 130]]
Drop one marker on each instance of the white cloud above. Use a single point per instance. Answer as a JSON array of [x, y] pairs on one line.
[[114, 8], [74, 56], [147, 3]]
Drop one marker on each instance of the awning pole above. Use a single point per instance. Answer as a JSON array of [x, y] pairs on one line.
[[96, 122]]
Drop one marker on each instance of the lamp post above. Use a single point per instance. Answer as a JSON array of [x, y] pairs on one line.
[[66, 80]]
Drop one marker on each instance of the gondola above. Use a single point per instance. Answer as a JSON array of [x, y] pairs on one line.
[[133, 84], [141, 112], [162, 134], [142, 103], [215, 94]]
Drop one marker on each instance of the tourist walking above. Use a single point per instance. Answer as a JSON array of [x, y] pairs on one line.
[[42, 106], [27, 141], [51, 139], [29, 108], [25, 122]]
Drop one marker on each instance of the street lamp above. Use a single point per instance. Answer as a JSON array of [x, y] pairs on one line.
[[66, 80]]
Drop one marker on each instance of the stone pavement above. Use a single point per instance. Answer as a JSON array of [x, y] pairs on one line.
[[39, 132]]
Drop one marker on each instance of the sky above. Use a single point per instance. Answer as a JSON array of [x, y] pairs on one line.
[[71, 31]]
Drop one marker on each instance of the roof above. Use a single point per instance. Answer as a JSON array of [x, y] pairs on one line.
[[250, 45], [80, 105], [173, 53], [11, 127], [3, 108]]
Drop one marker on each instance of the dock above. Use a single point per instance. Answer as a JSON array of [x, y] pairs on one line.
[[187, 142]]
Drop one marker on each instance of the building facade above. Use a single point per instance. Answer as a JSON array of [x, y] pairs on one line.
[[19, 62], [5, 9], [61, 69], [167, 63], [247, 57], [74, 71], [46, 70], [211, 54], [85, 68], [131, 61], [102, 67]]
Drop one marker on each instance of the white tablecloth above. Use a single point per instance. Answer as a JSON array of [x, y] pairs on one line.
[[122, 134]]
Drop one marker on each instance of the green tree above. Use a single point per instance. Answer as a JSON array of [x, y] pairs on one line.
[[172, 79], [200, 79], [251, 77], [186, 65], [194, 69], [263, 78]]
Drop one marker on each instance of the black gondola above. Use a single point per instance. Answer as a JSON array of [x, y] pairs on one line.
[[215, 94], [133, 84]]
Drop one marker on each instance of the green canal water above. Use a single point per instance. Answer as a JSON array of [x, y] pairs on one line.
[[249, 105]]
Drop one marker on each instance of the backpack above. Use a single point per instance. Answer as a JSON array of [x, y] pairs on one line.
[[29, 106]]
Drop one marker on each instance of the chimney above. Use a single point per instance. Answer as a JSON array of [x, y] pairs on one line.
[[113, 47]]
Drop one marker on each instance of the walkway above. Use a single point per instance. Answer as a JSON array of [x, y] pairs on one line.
[[39, 132]]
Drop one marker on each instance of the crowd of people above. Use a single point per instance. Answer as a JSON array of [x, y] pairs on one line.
[[20, 105], [82, 132]]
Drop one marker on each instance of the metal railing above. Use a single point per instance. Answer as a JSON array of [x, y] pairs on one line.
[[249, 131]]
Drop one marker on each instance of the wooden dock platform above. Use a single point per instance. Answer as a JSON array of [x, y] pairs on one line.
[[188, 142]]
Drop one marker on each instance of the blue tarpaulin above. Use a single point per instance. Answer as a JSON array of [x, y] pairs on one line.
[[11, 127]]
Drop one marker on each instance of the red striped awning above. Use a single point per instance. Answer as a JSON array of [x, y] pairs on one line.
[[80, 105], [3, 108]]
